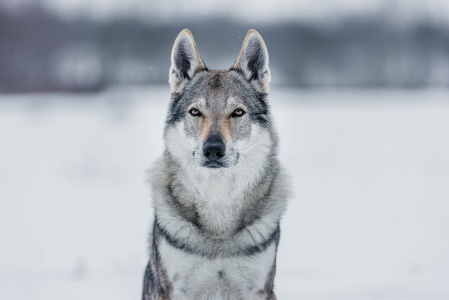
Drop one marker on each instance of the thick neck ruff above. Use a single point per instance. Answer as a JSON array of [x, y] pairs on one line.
[[218, 195]]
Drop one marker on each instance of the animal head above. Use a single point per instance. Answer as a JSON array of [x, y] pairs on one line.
[[219, 119]]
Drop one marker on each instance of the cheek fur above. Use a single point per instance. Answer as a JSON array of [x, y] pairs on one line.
[[241, 129], [256, 147], [177, 142]]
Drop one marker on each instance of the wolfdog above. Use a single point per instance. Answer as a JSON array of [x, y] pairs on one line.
[[218, 191]]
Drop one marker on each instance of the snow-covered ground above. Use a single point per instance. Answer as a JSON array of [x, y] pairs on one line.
[[369, 220]]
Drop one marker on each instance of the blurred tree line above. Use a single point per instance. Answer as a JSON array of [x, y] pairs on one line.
[[43, 52]]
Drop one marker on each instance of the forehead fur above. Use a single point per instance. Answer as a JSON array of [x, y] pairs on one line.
[[216, 87]]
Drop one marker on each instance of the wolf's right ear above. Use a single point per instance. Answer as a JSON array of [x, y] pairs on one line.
[[185, 61]]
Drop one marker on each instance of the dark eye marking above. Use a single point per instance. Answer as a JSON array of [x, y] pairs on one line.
[[258, 113], [238, 113], [195, 112]]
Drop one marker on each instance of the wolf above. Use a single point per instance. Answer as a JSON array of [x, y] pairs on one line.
[[218, 191]]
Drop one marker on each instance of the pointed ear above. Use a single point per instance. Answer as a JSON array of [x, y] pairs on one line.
[[253, 61], [185, 61]]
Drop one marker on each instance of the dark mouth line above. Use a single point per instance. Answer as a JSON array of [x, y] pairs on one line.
[[214, 165]]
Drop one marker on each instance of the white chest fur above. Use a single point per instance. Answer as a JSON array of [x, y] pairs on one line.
[[196, 277], [218, 200]]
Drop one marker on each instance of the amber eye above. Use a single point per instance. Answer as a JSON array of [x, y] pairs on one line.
[[195, 112], [238, 113]]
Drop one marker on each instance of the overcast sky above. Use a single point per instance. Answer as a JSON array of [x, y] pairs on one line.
[[252, 10]]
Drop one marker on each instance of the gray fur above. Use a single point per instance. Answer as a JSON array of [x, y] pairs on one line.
[[187, 224]]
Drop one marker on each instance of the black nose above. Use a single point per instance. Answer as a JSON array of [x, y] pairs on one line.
[[214, 148]]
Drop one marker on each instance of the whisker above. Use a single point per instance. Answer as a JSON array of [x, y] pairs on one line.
[[249, 159], [250, 146]]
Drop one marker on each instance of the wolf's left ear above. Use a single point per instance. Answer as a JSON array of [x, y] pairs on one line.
[[185, 61], [253, 61]]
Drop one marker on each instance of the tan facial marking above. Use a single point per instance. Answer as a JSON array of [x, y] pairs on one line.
[[205, 125], [226, 129]]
